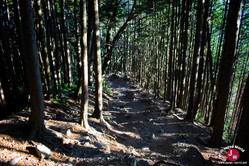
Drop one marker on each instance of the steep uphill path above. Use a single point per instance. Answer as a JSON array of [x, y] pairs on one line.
[[158, 136]]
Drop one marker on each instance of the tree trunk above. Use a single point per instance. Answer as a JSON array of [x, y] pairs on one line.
[[201, 63], [170, 69], [43, 45], [226, 69], [90, 13], [242, 138], [48, 22], [77, 46], [213, 117], [66, 48], [36, 119], [55, 44], [185, 27], [97, 59], [84, 98], [189, 115]]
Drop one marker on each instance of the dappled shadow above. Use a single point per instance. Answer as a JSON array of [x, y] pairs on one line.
[[156, 132], [3, 163], [15, 128], [138, 124]]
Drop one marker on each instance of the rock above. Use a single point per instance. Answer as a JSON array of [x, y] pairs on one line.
[[124, 111], [84, 139], [68, 133], [131, 149], [162, 131], [70, 160], [87, 144], [153, 136], [68, 143], [140, 122], [14, 161], [146, 149], [43, 151], [103, 146]]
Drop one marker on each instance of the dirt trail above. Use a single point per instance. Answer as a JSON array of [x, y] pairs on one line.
[[140, 133], [158, 135]]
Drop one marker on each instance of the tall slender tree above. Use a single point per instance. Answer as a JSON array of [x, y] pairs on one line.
[[213, 92], [66, 48], [242, 138], [171, 66], [44, 49], [226, 68], [185, 26], [201, 63], [97, 60], [190, 113], [36, 119], [84, 98]]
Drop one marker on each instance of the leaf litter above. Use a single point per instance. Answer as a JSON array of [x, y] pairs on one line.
[[137, 131]]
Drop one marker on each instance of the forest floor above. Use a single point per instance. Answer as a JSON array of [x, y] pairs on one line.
[[138, 132]]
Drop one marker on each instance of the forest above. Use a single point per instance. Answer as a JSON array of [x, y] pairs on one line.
[[124, 82]]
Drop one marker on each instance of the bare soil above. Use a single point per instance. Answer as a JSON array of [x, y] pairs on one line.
[[137, 130]]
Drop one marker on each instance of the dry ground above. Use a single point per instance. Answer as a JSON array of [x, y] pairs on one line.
[[140, 132]]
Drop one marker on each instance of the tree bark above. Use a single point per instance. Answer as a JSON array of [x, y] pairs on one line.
[[49, 28], [216, 65], [242, 138], [170, 69], [36, 119], [226, 69], [90, 21], [189, 115], [44, 50], [66, 49], [97, 59], [78, 44], [84, 98], [200, 81], [185, 27]]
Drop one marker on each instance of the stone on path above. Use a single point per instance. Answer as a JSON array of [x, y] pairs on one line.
[[43, 151]]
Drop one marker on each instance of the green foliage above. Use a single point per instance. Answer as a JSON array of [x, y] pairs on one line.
[[161, 93], [200, 117], [108, 8], [118, 73], [107, 87], [226, 134]]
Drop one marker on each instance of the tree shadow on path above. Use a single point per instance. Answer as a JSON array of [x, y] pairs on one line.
[[158, 134]]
